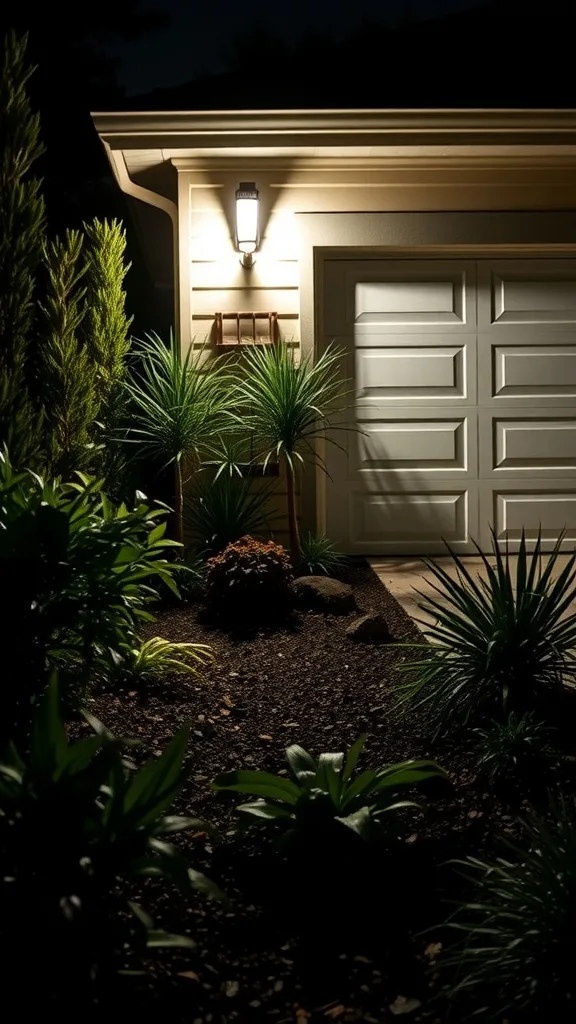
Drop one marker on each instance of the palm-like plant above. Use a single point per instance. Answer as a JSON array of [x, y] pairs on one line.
[[179, 406], [499, 644], [289, 404]]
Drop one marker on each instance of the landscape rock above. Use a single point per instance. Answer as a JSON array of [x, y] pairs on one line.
[[323, 594], [369, 629]]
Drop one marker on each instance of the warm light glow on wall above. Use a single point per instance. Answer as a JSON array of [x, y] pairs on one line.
[[247, 204]]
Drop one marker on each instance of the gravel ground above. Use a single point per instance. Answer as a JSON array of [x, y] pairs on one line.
[[334, 940]]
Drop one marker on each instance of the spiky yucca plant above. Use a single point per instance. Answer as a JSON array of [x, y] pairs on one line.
[[320, 555], [179, 406], [500, 644], [222, 510], [288, 404], [515, 750]]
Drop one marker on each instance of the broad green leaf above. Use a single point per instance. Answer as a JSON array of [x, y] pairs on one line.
[[156, 783], [265, 811], [157, 939], [255, 783], [352, 757], [329, 775], [360, 822], [49, 743]]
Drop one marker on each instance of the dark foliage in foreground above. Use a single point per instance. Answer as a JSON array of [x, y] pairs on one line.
[[516, 955], [78, 575], [77, 822]]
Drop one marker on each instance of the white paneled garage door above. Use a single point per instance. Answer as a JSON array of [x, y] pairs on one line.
[[466, 402]]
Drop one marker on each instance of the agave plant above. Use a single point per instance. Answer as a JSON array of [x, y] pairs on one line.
[[179, 406], [501, 643], [288, 405], [320, 556], [517, 953], [158, 657], [324, 792]]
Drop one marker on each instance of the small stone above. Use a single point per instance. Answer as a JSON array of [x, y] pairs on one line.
[[265, 738], [369, 629], [323, 594], [403, 1005]]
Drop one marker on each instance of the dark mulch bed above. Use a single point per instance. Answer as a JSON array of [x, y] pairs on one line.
[[337, 943]]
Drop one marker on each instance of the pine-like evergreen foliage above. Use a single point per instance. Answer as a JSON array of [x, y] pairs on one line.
[[22, 231], [106, 332], [68, 371]]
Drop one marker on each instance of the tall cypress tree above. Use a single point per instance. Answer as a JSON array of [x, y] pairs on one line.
[[22, 232], [106, 332], [68, 371]]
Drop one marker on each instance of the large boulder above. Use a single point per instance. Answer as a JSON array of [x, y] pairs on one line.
[[323, 594], [369, 629]]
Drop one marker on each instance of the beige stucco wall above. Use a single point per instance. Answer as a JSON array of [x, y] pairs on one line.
[[294, 192], [320, 206]]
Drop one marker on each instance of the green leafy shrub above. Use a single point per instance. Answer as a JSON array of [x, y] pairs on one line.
[[499, 644], [513, 750], [517, 953], [79, 574], [249, 578], [156, 657], [319, 556], [222, 510], [77, 824], [326, 792]]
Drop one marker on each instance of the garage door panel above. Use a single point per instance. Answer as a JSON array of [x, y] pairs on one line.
[[524, 443], [465, 404], [549, 508], [418, 368], [403, 295], [518, 372], [415, 442], [411, 521], [527, 292]]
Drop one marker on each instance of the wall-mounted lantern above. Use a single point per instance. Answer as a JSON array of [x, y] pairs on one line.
[[247, 203]]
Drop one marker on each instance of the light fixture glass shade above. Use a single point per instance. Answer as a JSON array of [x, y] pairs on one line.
[[247, 203]]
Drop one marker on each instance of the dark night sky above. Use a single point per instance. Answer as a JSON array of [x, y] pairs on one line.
[[201, 33]]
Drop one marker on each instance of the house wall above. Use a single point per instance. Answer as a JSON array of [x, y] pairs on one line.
[[426, 202]]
